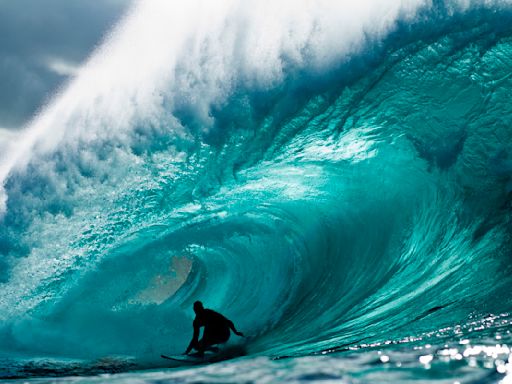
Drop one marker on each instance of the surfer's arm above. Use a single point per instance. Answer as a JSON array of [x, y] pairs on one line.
[[195, 338], [232, 326]]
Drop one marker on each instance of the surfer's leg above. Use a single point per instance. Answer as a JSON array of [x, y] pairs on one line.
[[210, 339], [208, 342], [201, 346]]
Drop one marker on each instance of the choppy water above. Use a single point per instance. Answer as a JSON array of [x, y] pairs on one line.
[[334, 178]]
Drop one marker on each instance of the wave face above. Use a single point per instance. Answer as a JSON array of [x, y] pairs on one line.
[[325, 176]]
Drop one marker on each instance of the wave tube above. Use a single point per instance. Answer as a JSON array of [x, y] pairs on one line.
[[324, 176]]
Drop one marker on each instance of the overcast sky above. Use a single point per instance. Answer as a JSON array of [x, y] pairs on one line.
[[41, 44]]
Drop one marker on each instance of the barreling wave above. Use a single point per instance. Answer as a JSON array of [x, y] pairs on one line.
[[323, 176]]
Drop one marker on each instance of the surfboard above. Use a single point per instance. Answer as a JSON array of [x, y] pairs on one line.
[[209, 356], [185, 359]]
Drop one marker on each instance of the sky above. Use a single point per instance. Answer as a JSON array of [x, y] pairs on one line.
[[42, 43]]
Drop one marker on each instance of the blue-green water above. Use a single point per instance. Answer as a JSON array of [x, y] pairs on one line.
[[337, 180]]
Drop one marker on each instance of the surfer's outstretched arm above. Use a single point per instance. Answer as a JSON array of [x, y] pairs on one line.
[[195, 337], [232, 326]]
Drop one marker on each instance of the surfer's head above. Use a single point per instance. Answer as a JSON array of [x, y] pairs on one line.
[[198, 307]]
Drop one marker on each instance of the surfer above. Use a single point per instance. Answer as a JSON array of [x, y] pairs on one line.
[[216, 330]]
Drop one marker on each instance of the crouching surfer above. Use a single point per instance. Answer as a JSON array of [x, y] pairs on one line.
[[216, 330]]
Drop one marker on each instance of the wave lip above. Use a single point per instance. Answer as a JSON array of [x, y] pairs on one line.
[[189, 58]]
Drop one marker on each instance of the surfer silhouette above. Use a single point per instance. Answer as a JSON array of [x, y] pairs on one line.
[[216, 330]]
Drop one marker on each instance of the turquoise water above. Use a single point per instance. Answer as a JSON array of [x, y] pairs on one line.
[[344, 197]]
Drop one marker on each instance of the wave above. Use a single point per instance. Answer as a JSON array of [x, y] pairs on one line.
[[324, 176]]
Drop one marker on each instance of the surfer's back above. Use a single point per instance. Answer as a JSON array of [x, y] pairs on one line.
[[212, 319]]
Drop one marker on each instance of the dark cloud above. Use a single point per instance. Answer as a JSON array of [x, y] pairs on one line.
[[41, 41]]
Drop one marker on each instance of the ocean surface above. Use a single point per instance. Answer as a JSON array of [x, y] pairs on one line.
[[336, 178]]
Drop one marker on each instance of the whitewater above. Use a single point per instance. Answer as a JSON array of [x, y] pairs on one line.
[[334, 177]]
